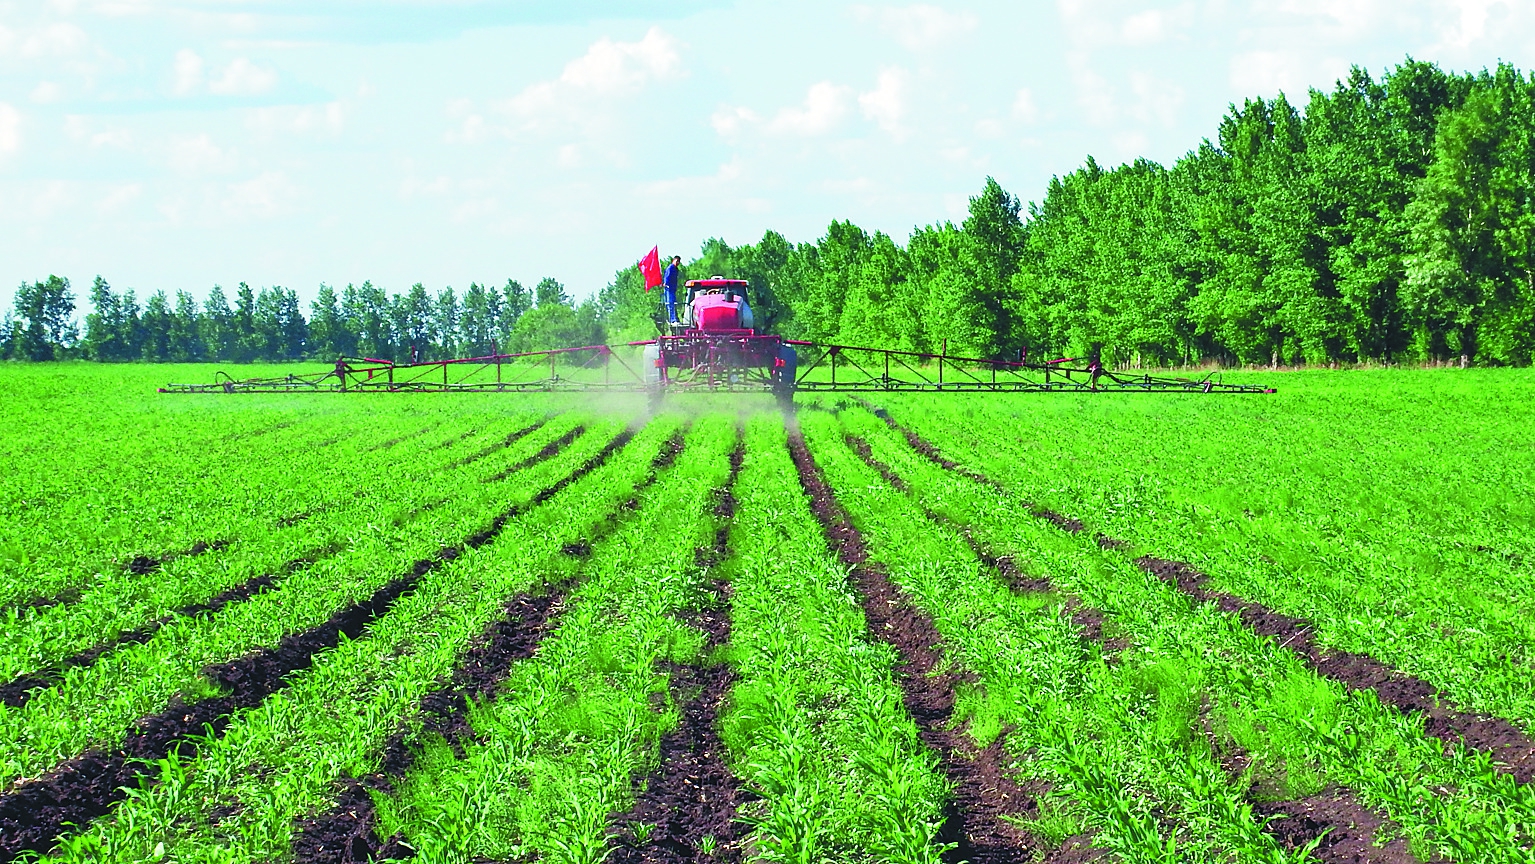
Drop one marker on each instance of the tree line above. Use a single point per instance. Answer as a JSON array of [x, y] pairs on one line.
[[1389, 220], [269, 325]]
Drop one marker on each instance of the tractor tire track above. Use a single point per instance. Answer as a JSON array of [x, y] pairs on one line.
[[87, 787], [347, 833], [692, 794], [982, 792], [1347, 823]]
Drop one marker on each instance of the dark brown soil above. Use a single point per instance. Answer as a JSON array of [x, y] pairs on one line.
[[921, 445], [84, 788], [68, 595], [143, 564], [983, 792], [499, 445], [1348, 829], [1513, 750], [692, 795], [87, 787], [549, 451], [19, 690], [347, 833], [1065, 523]]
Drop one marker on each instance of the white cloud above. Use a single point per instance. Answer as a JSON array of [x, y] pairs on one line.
[[121, 139], [46, 92], [1265, 73], [188, 68], [297, 120], [1023, 106], [10, 129], [1155, 25], [414, 187], [729, 122], [1351, 18], [886, 103], [267, 195], [607, 68], [199, 155], [1094, 93], [989, 128], [825, 105], [1157, 101], [60, 39], [686, 192], [919, 27], [1471, 23], [243, 78], [471, 128], [119, 197]]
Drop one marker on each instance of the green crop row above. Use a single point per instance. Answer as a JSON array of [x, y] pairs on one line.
[[1119, 761], [815, 725], [122, 478], [1205, 685], [125, 601], [555, 754], [93, 705], [281, 760], [1397, 520]]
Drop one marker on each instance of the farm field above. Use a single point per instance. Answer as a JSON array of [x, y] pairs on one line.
[[888, 627]]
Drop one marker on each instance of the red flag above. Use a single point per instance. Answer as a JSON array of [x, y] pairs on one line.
[[650, 266]]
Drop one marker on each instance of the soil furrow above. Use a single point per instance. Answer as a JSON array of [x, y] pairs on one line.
[[1347, 829], [1512, 749], [143, 564], [684, 811], [1319, 812], [499, 445], [348, 832], [139, 565], [1088, 619], [983, 793], [19, 690], [86, 787], [549, 450], [385, 445]]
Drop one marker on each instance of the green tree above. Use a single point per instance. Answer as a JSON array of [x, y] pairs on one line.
[[218, 326], [157, 328], [106, 330], [1470, 268], [44, 327], [186, 342], [329, 335], [445, 325]]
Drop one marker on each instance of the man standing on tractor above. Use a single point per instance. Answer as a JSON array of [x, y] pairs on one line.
[[669, 287]]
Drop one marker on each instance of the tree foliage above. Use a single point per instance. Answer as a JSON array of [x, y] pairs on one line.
[[1385, 220]]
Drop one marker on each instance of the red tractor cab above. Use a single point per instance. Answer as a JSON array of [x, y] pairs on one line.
[[716, 305]]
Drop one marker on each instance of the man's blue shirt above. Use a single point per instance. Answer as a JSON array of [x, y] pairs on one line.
[[671, 277]]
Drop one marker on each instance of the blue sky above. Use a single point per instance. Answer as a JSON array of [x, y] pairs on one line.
[[175, 144]]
